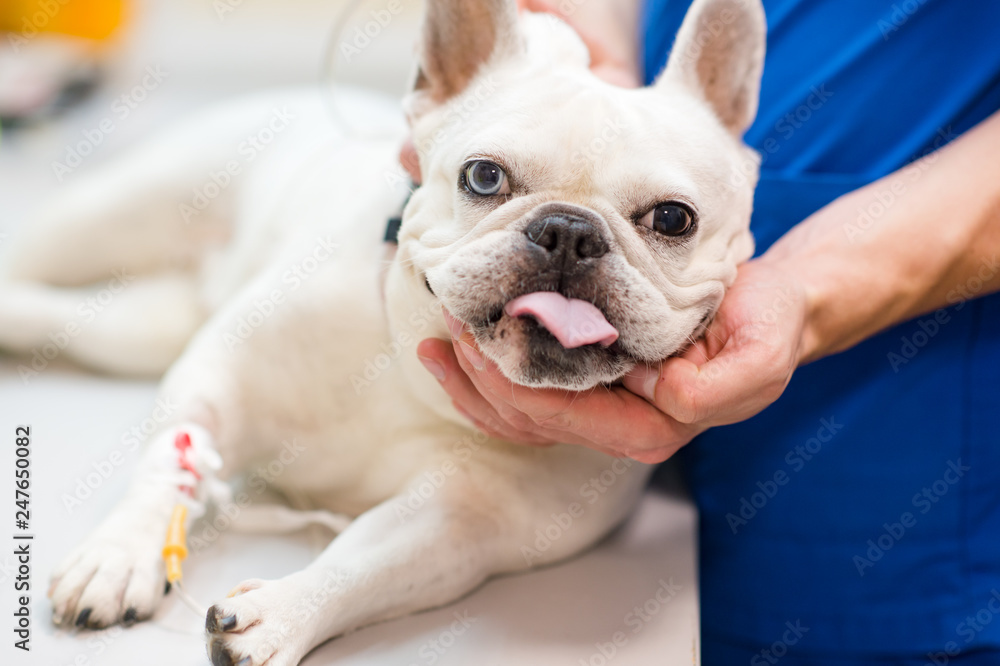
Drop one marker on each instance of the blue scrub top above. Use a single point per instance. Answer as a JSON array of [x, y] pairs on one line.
[[857, 520]]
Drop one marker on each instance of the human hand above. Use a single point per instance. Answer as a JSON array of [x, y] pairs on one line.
[[740, 366], [613, 60]]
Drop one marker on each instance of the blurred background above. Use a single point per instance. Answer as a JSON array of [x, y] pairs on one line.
[[80, 81], [67, 65]]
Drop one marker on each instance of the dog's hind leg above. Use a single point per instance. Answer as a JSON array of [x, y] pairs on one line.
[[125, 325], [106, 274], [155, 207], [135, 220], [125, 216]]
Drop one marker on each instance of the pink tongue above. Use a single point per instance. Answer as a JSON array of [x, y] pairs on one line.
[[573, 322]]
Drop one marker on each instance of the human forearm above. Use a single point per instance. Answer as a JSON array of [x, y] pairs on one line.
[[911, 242]]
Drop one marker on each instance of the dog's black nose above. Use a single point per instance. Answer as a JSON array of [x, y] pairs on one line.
[[566, 236]]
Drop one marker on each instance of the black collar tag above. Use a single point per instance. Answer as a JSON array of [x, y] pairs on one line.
[[392, 230], [392, 226]]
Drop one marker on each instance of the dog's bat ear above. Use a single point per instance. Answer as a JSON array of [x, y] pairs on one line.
[[719, 54], [459, 37]]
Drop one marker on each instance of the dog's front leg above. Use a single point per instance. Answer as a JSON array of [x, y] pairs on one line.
[[391, 561], [117, 573]]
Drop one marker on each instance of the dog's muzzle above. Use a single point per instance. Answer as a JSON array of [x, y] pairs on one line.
[[571, 241]]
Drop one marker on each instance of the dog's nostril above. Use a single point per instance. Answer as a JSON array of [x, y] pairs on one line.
[[577, 238], [591, 246], [543, 233]]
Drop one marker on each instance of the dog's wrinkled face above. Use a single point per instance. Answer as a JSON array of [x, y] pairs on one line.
[[578, 228]]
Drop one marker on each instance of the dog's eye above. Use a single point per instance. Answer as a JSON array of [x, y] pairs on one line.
[[484, 178], [669, 219]]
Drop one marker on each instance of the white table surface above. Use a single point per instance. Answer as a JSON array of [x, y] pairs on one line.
[[559, 615]]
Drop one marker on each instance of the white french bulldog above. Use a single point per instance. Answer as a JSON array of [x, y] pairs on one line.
[[577, 228]]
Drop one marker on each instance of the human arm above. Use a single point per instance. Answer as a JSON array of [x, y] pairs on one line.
[[940, 232]]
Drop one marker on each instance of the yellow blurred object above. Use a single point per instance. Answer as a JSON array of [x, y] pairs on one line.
[[89, 19], [175, 548]]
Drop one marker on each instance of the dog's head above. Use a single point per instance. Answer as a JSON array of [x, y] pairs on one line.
[[576, 227]]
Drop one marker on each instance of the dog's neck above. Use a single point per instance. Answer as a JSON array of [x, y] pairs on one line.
[[391, 241]]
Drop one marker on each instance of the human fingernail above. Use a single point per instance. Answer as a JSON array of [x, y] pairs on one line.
[[455, 327], [433, 367], [473, 356], [645, 379]]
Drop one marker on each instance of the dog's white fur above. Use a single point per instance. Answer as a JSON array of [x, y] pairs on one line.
[[313, 371]]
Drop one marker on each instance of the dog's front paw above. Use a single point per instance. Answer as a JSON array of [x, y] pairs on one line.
[[258, 624], [114, 576]]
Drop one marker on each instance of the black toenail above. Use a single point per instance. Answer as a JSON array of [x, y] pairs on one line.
[[228, 623], [166, 589], [220, 656], [245, 661], [212, 620], [82, 618], [131, 615]]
